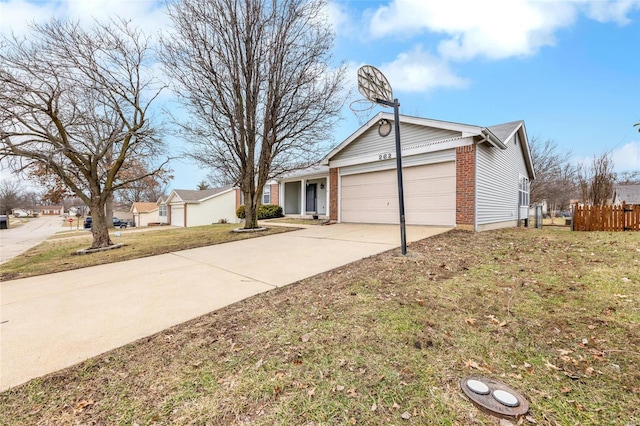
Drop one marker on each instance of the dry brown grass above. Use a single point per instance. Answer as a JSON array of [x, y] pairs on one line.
[[555, 314]]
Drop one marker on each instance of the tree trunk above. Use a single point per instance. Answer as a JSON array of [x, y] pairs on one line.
[[99, 228], [251, 210], [108, 211]]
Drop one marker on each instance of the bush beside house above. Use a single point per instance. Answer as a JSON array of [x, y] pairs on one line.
[[265, 211]]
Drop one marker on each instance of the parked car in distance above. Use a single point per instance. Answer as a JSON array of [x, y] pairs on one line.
[[117, 223], [20, 213]]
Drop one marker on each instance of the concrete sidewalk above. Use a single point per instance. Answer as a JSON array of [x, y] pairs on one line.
[[54, 321]]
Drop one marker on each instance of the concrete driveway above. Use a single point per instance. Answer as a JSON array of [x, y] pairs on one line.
[[54, 321]]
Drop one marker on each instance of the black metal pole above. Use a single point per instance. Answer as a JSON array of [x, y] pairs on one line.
[[403, 232]]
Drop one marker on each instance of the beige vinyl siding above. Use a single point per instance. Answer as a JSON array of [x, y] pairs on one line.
[[373, 197], [408, 161], [371, 143], [219, 207], [497, 190]]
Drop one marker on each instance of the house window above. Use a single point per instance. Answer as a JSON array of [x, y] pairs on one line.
[[266, 194], [162, 210], [524, 191]]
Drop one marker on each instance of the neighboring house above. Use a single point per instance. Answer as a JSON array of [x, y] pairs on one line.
[[629, 194], [163, 210], [453, 175], [122, 211], [145, 213], [186, 208], [50, 210]]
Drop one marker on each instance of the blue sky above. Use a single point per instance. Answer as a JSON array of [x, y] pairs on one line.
[[570, 69]]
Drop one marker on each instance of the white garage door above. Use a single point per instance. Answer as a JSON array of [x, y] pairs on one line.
[[177, 216], [429, 196]]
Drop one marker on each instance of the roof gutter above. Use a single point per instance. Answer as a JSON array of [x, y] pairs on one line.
[[491, 138]]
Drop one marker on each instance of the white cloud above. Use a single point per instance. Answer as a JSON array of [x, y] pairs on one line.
[[149, 15], [493, 29], [338, 16], [627, 157], [418, 71], [611, 11]]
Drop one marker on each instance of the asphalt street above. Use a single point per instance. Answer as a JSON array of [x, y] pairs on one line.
[[18, 239]]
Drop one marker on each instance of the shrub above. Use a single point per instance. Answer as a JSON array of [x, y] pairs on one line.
[[240, 212], [265, 211], [269, 211]]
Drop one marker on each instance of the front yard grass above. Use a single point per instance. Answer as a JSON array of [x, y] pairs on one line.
[[553, 313], [58, 253]]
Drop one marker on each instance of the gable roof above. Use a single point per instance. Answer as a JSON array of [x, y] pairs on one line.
[[496, 135], [142, 207], [630, 193], [195, 195], [506, 131]]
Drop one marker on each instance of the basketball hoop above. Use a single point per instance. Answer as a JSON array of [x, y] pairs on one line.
[[362, 109], [376, 88]]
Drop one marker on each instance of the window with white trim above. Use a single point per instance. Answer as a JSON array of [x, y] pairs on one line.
[[524, 191], [266, 194], [162, 210]]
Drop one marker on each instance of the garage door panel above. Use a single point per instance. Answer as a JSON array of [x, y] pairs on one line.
[[429, 196]]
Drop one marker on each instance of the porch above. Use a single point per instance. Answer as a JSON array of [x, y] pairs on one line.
[[305, 196]]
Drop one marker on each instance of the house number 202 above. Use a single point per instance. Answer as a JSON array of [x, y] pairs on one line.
[[384, 156]]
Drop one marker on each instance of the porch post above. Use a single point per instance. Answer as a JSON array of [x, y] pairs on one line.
[[303, 197]]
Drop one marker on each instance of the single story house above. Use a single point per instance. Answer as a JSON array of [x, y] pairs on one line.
[[49, 210], [144, 213], [629, 194], [186, 208], [454, 174]]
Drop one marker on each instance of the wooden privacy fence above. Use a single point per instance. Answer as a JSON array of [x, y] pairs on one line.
[[607, 218]]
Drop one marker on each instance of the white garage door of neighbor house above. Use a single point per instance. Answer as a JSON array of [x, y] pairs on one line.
[[177, 216], [429, 196]]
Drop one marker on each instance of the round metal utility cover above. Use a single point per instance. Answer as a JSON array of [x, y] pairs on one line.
[[505, 398], [477, 387], [499, 401]]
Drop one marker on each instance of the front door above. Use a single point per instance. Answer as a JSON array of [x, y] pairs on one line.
[[311, 197]]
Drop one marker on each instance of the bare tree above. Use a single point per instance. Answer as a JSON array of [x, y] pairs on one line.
[[596, 180], [555, 176], [147, 189], [10, 196], [628, 178], [75, 102], [14, 194], [255, 77]]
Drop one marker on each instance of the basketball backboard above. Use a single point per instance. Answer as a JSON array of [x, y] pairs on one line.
[[374, 85]]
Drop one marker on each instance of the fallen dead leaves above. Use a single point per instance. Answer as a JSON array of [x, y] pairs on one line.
[[497, 303]]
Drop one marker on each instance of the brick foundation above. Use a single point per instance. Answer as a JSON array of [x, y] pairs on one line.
[[465, 185]]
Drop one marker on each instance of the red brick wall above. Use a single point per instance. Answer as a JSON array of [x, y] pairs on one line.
[[275, 194], [238, 198], [333, 194], [465, 185]]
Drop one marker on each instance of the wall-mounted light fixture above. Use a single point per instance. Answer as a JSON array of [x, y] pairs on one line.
[[384, 127], [322, 186]]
